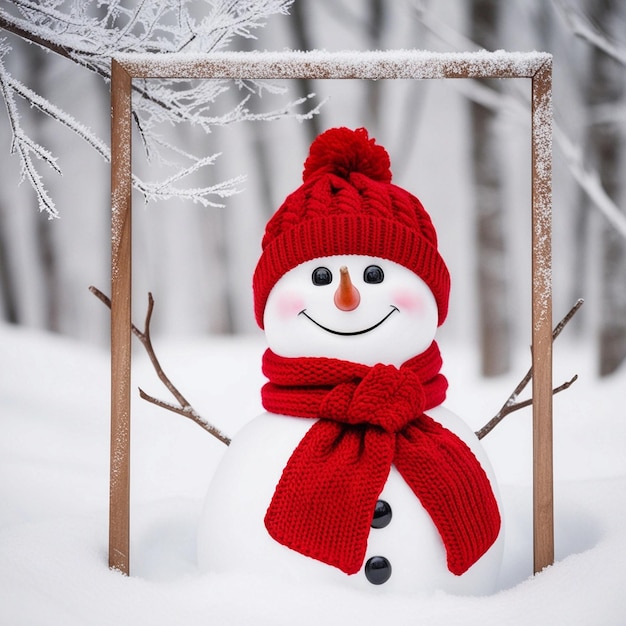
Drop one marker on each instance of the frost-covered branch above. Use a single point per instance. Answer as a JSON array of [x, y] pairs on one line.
[[24, 147], [166, 189], [90, 32], [56, 113]]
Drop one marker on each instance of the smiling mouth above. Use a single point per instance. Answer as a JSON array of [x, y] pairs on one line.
[[355, 332]]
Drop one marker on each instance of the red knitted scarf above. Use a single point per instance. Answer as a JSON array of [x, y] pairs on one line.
[[369, 419]]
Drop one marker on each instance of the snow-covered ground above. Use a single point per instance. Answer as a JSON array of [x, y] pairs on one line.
[[54, 398]]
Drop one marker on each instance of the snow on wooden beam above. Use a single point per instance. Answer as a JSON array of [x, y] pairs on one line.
[[390, 64], [396, 64]]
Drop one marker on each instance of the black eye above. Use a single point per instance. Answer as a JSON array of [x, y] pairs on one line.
[[322, 276], [373, 275]]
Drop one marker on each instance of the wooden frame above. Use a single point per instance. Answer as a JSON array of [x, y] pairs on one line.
[[326, 65]]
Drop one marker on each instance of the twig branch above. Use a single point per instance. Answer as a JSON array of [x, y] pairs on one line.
[[185, 407], [511, 404], [506, 409]]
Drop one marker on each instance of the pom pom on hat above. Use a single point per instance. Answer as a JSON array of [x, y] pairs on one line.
[[347, 204], [342, 151]]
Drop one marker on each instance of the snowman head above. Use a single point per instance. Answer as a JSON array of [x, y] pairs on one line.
[[350, 267]]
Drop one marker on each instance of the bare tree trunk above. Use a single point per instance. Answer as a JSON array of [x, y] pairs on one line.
[[304, 86], [8, 297], [260, 143], [494, 321], [373, 88], [606, 147]]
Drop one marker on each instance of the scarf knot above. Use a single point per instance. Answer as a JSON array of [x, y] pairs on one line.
[[387, 397]]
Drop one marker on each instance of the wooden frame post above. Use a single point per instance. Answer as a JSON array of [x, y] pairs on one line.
[[409, 64], [543, 496], [121, 274]]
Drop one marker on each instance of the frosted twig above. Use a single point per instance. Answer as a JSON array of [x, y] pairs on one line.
[[184, 407], [24, 147], [61, 116], [511, 403], [165, 190]]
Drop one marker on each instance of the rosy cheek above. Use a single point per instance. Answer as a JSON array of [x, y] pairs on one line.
[[408, 301], [289, 305]]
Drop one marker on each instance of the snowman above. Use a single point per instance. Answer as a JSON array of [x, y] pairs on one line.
[[356, 474]]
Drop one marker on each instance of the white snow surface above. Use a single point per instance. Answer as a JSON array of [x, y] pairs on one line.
[[54, 399]]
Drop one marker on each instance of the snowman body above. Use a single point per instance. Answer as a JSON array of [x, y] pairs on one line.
[[365, 310]]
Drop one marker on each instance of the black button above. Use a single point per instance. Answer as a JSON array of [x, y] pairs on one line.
[[378, 570], [382, 514]]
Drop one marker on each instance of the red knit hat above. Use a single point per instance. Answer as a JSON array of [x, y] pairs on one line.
[[348, 205]]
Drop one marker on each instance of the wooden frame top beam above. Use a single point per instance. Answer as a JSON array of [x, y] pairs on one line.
[[394, 64]]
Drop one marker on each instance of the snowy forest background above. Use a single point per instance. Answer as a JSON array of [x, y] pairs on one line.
[[463, 147]]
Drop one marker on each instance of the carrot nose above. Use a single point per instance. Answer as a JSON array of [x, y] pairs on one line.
[[347, 296]]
